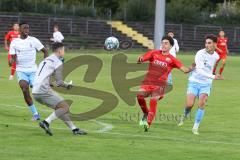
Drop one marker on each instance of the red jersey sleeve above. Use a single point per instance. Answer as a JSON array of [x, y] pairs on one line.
[[147, 56], [7, 36], [176, 63]]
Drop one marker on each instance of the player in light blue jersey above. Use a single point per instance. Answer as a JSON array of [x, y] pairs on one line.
[[23, 51], [200, 81]]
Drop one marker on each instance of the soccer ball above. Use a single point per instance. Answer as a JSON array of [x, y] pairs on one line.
[[111, 43]]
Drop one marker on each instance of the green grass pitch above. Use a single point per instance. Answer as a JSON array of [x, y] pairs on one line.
[[117, 134]]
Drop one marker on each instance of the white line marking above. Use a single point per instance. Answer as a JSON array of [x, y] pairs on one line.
[[108, 127]]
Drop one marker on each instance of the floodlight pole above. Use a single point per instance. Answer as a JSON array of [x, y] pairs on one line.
[[159, 22]]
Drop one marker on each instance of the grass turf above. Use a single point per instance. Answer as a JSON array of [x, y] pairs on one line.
[[219, 131]]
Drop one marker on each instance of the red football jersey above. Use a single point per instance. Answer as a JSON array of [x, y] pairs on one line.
[[222, 44], [159, 67], [11, 35]]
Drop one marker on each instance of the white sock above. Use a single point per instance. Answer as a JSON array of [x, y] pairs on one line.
[[52, 117], [70, 125], [196, 125]]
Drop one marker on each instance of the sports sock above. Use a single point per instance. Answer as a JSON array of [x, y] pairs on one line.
[[221, 70], [13, 69], [33, 109], [66, 119], [214, 70], [142, 104], [152, 111], [198, 117], [56, 114], [187, 110]]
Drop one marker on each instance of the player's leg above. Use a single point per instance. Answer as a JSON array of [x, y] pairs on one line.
[[11, 77], [153, 109], [67, 120], [203, 96], [200, 112], [24, 85], [142, 102], [215, 67], [192, 93], [61, 108], [142, 94], [157, 94], [222, 66], [13, 69]]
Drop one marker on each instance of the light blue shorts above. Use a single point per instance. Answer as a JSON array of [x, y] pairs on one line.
[[170, 82], [198, 88], [26, 76]]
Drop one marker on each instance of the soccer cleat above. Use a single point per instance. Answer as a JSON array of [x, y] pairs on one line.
[[146, 127], [78, 131], [36, 117], [181, 122], [11, 77], [44, 125], [143, 120], [195, 131]]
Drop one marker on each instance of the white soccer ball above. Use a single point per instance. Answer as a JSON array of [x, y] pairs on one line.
[[111, 43]]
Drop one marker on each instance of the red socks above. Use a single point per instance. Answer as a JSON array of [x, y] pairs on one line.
[[214, 69], [221, 70], [13, 69], [142, 103], [152, 111]]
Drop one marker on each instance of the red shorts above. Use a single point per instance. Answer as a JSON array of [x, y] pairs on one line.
[[223, 56], [153, 90]]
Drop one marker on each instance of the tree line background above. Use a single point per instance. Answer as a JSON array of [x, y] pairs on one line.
[[177, 11]]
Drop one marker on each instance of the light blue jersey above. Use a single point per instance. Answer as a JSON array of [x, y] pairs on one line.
[[200, 79]]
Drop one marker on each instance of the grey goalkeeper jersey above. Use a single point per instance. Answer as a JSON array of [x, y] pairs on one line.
[[49, 66]]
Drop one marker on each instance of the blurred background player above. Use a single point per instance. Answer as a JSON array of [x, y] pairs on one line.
[[11, 35], [175, 48], [57, 35], [173, 51], [200, 81], [43, 93], [23, 52], [222, 50], [161, 62]]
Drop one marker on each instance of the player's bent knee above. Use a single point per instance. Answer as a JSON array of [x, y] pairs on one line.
[[63, 104], [23, 85]]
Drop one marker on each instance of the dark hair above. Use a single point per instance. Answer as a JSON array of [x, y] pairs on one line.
[[211, 37], [170, 32], [170, 39], [56, 46], [22, 23]]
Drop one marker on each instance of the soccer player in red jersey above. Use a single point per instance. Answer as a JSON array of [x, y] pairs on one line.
[[222, 50], [11, 35], [161, 62]]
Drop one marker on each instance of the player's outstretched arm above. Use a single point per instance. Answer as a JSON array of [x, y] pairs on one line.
[[187, 69], [59, 79], [145, 57], [45, 52]]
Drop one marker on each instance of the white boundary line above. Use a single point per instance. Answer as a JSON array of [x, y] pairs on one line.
[[108, 127]]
